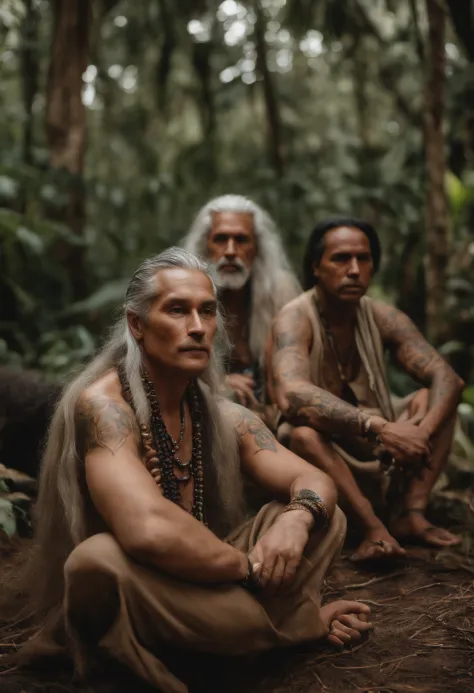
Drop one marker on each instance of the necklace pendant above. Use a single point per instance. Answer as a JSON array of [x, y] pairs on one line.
[[179, 464], [182, 479]]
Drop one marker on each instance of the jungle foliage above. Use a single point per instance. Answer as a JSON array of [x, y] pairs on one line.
[[120, 119]]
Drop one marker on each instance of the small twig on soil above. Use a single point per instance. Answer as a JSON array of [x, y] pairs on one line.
[[380, 664], [370, 601], [416, 589], [8, 671], [323, 687], [372, 581], [420, 631], [440, 646]]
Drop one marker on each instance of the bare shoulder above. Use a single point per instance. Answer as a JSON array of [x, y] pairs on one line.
[[108, 385], [394, 325], [249, 427], [103, 418], [292, 325], [289, 288], [291, 306]]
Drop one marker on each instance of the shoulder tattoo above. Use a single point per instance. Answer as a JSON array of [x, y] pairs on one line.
[[248, 423], [104, 423]]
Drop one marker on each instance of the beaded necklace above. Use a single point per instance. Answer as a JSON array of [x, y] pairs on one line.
[[347, 393], [162, 462]]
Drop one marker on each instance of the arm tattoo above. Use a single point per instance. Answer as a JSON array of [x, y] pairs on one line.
[[104, 423], [284, 339], [302, 402], [246, 422], [312, 406], [418, 358], [290, 348]]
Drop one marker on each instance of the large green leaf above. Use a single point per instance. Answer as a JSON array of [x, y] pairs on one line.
[[7, 517], [468, 395], [106, 297], [30, 240]]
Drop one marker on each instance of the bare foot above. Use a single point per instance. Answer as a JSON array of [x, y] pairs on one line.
[[414, 526], [346, 622], [378, 544]]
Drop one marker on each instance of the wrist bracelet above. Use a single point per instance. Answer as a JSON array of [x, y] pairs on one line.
[[378, 439], [294, 505], [310, 501]]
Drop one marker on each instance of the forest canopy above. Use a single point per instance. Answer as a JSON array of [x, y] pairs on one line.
[[120, 119]]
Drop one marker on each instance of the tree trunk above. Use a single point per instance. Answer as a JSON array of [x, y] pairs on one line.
[[65, 120], [437, 213], [361, 78], [163, 68], [275, 148], [29, 74]]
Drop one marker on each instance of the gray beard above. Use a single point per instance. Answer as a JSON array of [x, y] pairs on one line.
[[232, 281]]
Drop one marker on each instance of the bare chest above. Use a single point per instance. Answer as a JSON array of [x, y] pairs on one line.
[[238, 332]]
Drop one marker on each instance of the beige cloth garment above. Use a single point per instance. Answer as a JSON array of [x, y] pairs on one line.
[[370, 386], [117, 607]]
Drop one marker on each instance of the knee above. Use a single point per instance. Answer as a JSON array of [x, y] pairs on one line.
[[94, 583], [99, 553], [305, 441]]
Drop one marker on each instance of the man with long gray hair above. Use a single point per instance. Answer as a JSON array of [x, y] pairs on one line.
[[142, 542], [255, 280]]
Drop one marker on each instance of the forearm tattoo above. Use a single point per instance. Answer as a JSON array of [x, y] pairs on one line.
[[312, 406], [246, 422], [306, 404], [418, 358], [104, 423]]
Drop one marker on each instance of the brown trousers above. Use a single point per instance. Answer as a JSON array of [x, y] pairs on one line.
[[124, 610]]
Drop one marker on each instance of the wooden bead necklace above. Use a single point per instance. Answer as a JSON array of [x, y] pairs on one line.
[[160, 448]]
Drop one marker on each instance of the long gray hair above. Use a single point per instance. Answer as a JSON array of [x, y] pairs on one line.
[[63, 507], [273, 282]]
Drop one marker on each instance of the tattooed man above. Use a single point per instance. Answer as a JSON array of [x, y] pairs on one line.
[[329, 380], [142, 542]]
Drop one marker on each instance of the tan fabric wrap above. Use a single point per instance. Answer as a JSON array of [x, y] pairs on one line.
[[129, 612], [369, 345], [371, 352]]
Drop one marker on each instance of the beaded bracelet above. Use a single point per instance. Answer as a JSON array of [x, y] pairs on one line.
[[305, 499]]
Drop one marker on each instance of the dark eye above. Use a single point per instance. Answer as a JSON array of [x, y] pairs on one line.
[[220, 238], [208, 311], [241, 239], [178, 310]]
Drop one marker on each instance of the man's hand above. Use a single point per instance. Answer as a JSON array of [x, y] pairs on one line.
[[277, 555], [243, 388], [406, 443], [418, 407]]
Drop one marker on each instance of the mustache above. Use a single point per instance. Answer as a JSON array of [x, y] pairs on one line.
[[224, 262]]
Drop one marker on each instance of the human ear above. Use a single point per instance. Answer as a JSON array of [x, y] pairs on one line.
[[135, 325], [315, 268]]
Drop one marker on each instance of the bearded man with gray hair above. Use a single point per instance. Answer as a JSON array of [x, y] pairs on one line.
[[142, 543], [255, 281]]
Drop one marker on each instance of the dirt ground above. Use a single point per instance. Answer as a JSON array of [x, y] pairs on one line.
[[423, 642]]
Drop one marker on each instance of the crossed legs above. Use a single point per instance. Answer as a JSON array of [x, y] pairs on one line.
[[411, 524]]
